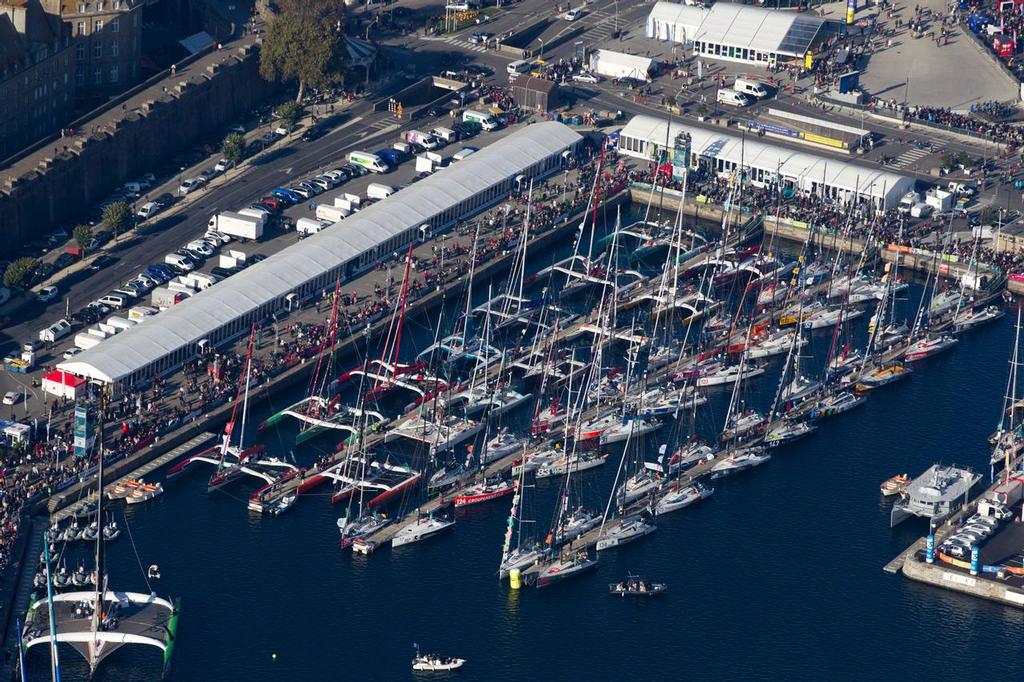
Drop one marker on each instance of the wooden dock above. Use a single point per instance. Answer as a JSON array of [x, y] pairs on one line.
[[189, 446]]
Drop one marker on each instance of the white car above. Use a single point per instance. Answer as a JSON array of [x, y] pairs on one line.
[[47, 294], [223, 165], [189, 185], [573, 14], [200, 246], [219, 236], [148, 210], [71, 352], [11, 397], [586, 78]]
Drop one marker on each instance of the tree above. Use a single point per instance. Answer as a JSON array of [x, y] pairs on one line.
[[303, 43], [289, 113], [19, 273], [118, 217], [83, 237], [233, 147]]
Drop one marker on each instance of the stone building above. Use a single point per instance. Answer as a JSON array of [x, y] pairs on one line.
[[106, 36], [36, 74]]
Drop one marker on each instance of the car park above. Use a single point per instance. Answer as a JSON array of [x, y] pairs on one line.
[[47, 294]]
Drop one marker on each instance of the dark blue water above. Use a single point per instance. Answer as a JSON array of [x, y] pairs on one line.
[[778, 575]]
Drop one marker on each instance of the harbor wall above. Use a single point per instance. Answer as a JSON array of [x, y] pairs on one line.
[[939, 575]]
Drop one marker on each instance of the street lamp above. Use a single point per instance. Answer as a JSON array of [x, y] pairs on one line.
[[541, 47]]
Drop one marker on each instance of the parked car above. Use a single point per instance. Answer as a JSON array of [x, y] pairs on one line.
[[224, 272], [208, 174], [586, 78], [189, 185], [314, 133], [273, 203], [148, 210], [164, 200], [71, 352], [12, 398], [101, 262], [47, 294], [223, 165], [62, 261], [301, 191]]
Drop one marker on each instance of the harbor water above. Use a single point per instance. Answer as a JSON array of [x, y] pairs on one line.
[[777, 575]]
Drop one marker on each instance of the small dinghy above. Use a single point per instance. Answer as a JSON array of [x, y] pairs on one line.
[[432, 663]]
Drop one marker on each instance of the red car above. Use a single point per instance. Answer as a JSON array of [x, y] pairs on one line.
[[273, 203]]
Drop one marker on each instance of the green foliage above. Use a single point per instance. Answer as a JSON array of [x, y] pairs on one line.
[[83, 236], [118, 217], [289, 112], [19, 273], [233, 147], [303, 43]]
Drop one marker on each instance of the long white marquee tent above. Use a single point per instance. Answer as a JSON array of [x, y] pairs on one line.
[[227, 310], [735, 32], [644, 137]]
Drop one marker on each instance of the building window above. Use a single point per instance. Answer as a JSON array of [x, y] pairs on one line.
[[115, 24], [113, 73], [80, 52], [98, 26], [80, 78], [100, 4], [80, 29], [82, 7], [97, 75], [113, 48], [97, 49]]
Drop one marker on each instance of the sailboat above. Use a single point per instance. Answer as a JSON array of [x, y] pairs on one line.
[[98, 622], [519, 551]]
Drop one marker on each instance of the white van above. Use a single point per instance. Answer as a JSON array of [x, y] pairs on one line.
[[485, 119], [55, 331], [179, 261], [308, 226], [446, 134], [921, 210], [120, 323], [519, 66], [908, 201], [378, 191], [423, 139], [370, 162], [114, 300], [733, 98], [148, 210], [751, 88]]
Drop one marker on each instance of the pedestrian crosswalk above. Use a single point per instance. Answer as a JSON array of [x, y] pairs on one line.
[[909, 157], [464, 44], [381, 124]]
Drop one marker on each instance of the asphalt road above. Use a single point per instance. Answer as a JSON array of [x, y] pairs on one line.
[[362, 129]]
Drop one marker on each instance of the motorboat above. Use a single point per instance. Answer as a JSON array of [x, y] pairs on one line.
[[632, 427], [483, 492], [837, 403], [935, 494], [154, 572], [625, 530], [680, 496], [682, 459], [422, 528], [111, 531], [564, 567], [284, 504], [144, 492], [788, 431], [894, 485], [360, 528], [576, 462], [740, 460], [927, 347], [433, 663]]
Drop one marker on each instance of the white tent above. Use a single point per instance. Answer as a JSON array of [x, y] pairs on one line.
[[620, 65]]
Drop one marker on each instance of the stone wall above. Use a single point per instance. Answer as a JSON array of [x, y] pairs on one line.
[[59, 188]]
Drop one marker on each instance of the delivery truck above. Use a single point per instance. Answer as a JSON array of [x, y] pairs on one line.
[[237, 225]]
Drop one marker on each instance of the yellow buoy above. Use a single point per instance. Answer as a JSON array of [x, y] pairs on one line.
[[513, 579]]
